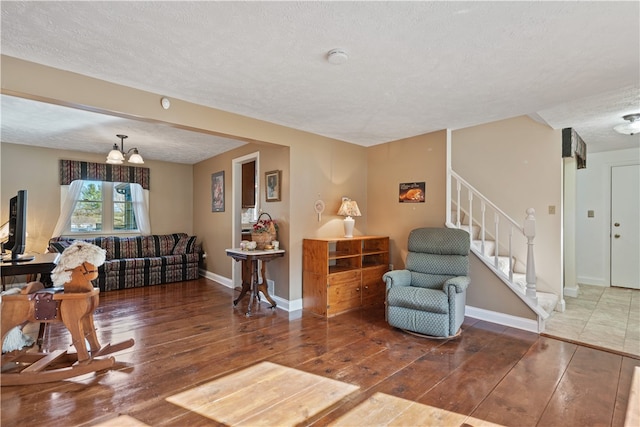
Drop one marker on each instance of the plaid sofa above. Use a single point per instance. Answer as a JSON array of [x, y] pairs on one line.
[[142, 260]]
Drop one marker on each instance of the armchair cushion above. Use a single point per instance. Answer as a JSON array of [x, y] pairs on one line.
[[431, 300]]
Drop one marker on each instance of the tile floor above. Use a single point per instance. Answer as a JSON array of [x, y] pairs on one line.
[[606, 317]]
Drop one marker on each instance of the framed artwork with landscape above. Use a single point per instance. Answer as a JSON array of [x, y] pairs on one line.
[[273, 191], [217, 192]]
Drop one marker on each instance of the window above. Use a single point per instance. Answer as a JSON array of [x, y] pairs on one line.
[[104, 207]]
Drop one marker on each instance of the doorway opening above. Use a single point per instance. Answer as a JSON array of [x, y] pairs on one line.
[[242, 212]]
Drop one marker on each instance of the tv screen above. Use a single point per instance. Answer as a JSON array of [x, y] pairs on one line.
[[17, 241]]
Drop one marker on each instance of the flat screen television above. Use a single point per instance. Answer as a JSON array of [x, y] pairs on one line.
[[17, 240]]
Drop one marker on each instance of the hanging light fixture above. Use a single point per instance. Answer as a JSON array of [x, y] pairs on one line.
[[116, 156], [631, 128]]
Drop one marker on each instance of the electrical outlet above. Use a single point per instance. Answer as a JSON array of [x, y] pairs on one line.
[[552, 210], [390, 267], [591, 213]]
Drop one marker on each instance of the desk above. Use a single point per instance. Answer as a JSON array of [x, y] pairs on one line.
[[42, 264], [250, 281]]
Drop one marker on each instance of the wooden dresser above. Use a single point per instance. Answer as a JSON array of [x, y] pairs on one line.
[[344, 273]]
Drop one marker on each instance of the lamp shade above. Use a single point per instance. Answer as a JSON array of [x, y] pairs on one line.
[[115, 156], [136, 157], [349, 208]]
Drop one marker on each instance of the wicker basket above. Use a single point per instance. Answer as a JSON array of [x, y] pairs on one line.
[[263, 239]]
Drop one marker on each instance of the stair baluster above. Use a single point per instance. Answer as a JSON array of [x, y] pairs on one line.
[[511, 252], [496, 233], [529, 229], [458, 187], [483, 208]]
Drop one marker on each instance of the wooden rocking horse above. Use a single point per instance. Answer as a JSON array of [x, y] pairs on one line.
[[71, 301]]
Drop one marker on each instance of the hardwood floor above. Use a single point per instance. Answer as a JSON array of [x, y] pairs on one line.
[[188, 334]]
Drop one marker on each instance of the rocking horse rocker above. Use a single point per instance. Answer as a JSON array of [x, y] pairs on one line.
[[72, 301]]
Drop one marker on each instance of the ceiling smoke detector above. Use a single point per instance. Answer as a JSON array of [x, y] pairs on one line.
[[337, 56], [631, 128]]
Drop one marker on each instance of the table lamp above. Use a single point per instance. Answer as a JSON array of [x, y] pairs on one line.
[[349, 208]]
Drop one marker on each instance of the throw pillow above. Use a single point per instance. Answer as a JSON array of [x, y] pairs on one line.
[[185, 245]]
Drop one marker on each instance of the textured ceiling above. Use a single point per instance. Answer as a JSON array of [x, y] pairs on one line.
[[413, 68]]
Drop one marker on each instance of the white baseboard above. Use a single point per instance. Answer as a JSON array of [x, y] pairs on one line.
[[597, 281], [571, 292], [224, 281], [281, 303], [530, 325]]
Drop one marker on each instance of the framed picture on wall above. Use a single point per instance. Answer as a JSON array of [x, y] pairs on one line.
[[272, 186], [412, 192], [217, 192]]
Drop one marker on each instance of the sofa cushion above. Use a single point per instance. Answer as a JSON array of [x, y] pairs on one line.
[[123, 247], [59, 246], [186, 245], [160, 245]]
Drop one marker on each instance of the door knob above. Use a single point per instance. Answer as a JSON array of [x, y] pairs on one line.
[[617, 236], [617, 224]]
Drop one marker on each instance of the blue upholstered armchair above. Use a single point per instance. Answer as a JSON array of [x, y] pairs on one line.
[[429, 296]]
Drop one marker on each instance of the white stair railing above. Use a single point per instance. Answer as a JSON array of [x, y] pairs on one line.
[[501, 220]]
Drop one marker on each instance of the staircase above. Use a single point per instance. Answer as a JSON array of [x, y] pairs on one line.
[[503, 245]]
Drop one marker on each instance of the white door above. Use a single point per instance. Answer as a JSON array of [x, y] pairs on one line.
[[625, 226]]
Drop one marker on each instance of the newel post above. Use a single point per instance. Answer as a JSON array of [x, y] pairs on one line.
[[530, 232]]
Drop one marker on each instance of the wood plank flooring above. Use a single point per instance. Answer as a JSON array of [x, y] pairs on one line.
[[189, 334]]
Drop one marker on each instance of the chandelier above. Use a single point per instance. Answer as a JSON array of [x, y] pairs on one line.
[[116, 156]]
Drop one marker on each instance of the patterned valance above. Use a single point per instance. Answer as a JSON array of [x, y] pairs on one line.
[[574, 146], [71, 170]]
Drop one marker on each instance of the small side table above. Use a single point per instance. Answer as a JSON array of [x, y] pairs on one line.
[[250, 278]]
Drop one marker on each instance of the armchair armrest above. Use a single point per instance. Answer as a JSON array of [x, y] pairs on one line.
[[456, 285], [397, 278]]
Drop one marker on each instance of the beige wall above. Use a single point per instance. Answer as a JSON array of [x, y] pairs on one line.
[[488, 292], [417, 159], [37, 170], [214, 229], [529, 155], [325, 170]]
